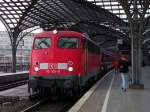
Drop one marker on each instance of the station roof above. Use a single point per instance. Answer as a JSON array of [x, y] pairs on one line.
[[29, 13], [19, 15], [115, 6]]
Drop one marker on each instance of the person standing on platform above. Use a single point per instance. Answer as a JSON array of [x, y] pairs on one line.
[[124, 73]]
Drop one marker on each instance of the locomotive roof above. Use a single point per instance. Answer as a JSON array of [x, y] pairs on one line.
[[48, 33]]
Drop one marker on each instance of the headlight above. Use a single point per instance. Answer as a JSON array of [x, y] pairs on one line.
[[70, 69], [55, 31], [36, 69]]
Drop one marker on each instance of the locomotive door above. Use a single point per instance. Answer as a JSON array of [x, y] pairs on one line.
[[85, 57]]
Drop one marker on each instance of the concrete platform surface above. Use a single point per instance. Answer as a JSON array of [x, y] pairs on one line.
[[107, 96]]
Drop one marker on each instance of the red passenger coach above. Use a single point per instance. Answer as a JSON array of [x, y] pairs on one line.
[[64, 59]]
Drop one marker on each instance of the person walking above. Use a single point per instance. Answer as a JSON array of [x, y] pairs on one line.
[[124, 73]]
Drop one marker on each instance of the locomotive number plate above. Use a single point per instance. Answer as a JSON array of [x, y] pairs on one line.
[[43, 65], [62, 65]]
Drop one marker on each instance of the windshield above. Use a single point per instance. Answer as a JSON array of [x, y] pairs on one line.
[[68, 42], [42, 43]]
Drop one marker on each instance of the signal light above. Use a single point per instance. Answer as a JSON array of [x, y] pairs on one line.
[[55, 31], [36, 69], [70, 69]]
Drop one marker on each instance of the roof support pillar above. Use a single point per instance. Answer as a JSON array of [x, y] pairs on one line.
[[136, 35], [14, 49], [136, 56]]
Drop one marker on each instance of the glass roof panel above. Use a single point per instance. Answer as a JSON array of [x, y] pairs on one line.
[[112, 6]]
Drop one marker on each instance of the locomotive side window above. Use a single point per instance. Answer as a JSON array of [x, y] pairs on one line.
[[42, 43], [68, 42]]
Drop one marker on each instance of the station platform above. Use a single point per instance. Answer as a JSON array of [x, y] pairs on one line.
[[17, 73], [107, 96], [12, 77]]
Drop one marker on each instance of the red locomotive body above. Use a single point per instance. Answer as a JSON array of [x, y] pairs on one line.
[[64, 59]]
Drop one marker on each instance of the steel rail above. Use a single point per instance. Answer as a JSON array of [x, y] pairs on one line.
[[34, 106]]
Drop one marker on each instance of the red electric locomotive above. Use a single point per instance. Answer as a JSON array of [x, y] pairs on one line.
[[64, 59]]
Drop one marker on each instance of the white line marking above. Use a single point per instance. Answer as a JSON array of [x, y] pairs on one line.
[[104, 107], [83, 99]]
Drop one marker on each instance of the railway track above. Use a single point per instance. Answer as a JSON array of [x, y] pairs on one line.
[[12, 85], [48, 105], [34, 106]]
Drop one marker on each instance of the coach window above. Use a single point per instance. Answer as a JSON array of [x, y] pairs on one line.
[[68, 42], [42, 43]]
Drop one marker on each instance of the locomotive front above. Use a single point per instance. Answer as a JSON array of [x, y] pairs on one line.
[[56, 60]]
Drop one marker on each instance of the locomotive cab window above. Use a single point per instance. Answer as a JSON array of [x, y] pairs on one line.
[[68, 42], [42, 43]]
